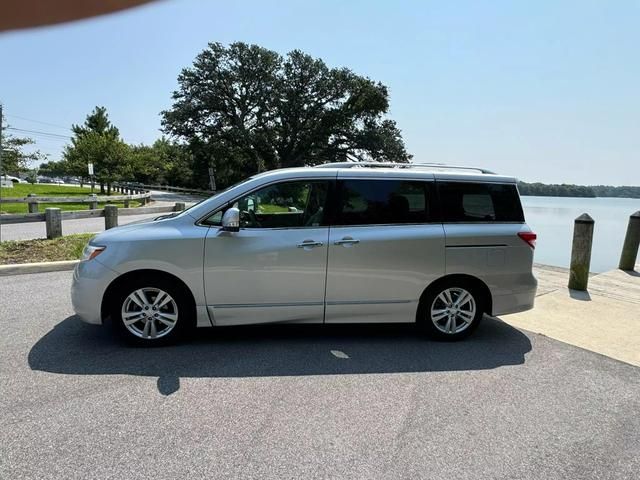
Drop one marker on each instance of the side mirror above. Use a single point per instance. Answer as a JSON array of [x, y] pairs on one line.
[[231, 220]]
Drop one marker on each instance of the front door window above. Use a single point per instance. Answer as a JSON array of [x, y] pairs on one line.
[[295, 204]]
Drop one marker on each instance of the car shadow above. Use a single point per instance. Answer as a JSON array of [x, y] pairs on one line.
[[75, 348]]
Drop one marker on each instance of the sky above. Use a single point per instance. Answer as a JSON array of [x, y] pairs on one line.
[[543, 90]]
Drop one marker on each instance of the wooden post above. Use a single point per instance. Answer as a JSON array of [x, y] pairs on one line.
[[581, 252], [631, 242], [53, 219], [110, 216], [33, 206], [94, 201], [180, 206]]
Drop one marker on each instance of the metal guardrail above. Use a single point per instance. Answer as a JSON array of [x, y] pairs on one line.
[[168, 188]]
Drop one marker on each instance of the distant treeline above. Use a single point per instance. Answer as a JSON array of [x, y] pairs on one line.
[[566, 190]]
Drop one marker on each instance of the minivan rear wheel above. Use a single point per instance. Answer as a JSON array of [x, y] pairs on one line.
[[150, 312], [451, 311]]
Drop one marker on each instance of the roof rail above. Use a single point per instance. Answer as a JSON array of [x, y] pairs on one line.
[[402, 165]]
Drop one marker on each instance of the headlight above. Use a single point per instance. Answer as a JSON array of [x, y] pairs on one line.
[[91, 251]]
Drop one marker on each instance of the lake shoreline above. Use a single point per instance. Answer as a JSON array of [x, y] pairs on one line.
[[552, 218]]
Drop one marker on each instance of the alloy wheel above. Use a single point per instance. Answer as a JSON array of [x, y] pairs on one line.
[[453, 310], [149, 313]]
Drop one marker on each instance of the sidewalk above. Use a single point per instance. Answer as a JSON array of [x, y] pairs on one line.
[[605, 320]]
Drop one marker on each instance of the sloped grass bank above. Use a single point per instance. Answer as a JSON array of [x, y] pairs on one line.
[[68, 247]]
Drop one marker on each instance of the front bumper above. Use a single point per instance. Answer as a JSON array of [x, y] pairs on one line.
[[90, 280]]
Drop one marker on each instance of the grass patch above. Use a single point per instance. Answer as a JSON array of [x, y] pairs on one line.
[[68, 247], [24, 208], [44, 190]]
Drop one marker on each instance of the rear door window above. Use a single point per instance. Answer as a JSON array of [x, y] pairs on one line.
[[375, 202], [479, 202]]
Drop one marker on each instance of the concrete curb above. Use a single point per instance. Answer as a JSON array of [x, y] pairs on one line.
[[22, 268]]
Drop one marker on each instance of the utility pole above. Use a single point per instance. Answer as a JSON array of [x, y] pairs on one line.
[[212, 179]]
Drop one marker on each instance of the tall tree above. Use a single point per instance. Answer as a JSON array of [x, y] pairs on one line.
[[97, 140], [98, 122], [164, 162], [244, 109], [15, 159]]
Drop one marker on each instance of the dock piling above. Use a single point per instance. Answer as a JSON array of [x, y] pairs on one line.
[[581, 252], [631, 242]]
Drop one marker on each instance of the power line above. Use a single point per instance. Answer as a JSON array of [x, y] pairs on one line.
[[38, 132], [45, 138], [38, 121]]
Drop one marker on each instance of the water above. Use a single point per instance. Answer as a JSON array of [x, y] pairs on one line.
[[552, 219]]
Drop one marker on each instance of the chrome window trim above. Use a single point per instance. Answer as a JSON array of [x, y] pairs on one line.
[[484, 222], [355, 177], [386, 224]]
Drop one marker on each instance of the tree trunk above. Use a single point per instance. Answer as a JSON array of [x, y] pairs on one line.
[[108, 189], [101, 188]]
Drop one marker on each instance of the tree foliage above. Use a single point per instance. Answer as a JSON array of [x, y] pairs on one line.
[[244, 109], [97, 141], [52, 169], [15, 158], [569, 190], [164, 162]]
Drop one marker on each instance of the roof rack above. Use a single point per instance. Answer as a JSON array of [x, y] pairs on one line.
[[402, 165]]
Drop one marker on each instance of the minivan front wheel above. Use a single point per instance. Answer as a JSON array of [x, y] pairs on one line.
[[151, 312], [451, 311]]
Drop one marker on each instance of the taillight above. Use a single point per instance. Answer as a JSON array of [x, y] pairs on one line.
[[528, 237]]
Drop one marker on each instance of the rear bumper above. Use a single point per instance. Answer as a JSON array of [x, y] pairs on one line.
[[90, 280], [514, 302]]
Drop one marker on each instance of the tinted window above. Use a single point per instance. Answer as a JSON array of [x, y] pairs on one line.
[[370, 202], [479, 202], [289, 204]]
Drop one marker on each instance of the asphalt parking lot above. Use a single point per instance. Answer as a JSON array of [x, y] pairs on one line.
[[303, 402]]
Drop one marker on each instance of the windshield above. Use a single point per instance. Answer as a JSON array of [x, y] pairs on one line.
[[219, 192]]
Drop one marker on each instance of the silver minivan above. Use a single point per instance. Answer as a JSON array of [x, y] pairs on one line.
[[340, 243]]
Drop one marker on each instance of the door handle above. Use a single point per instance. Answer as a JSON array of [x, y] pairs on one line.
[[309, 243], [346, 241]]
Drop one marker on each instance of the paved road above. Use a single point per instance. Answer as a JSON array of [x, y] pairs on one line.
[[277, 403], [171, 197], [25, 231]]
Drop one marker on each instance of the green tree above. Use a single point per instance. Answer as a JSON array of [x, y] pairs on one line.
[[52, 169], [164, 162], [98, 141], [244, 109], [14, 157]]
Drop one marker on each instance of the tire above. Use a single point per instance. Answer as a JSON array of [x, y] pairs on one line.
[[440, 315], [152, 312]]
